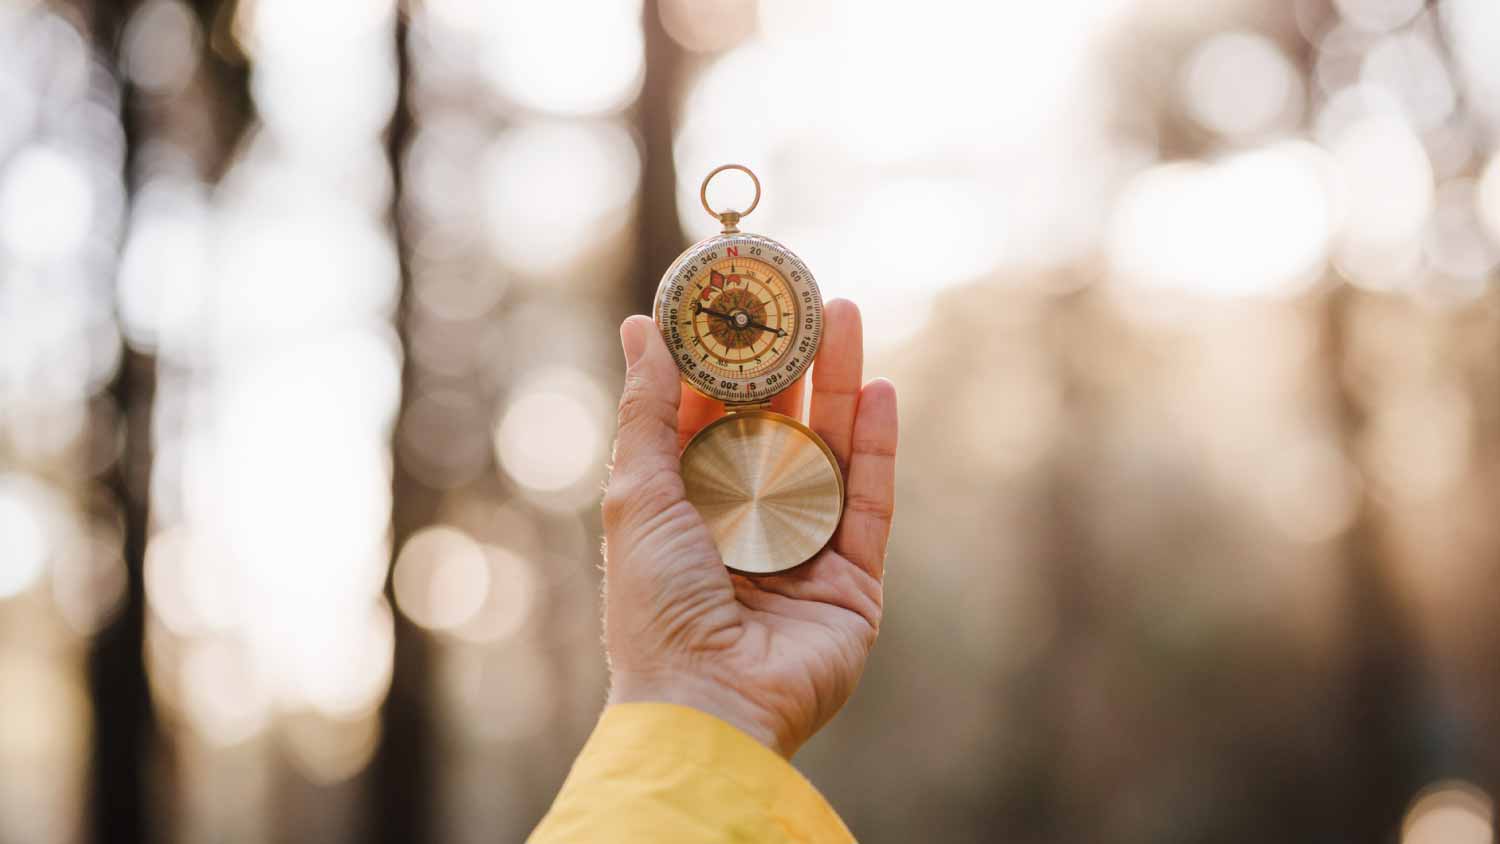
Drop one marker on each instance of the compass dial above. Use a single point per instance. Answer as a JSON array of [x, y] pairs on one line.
[[742, 317]]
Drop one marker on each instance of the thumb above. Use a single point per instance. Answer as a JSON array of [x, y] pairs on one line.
[[647, 439]]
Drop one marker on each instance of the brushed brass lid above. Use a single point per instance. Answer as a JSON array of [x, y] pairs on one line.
[[768, 487]]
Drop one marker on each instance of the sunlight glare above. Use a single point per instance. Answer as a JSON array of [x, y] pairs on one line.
[[554, 189], [564, 57], [46, 204], [1257, 223], [27, 508]]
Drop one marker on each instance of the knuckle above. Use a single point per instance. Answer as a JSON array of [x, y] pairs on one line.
[[638, 405], [613, 505], [875, 506], [874, 447], [635, 498]]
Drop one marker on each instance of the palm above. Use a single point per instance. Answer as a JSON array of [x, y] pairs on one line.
[[788, 648], [802, 638], [811, 632]]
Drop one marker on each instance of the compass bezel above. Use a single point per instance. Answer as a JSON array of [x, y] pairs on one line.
[[671, 296]]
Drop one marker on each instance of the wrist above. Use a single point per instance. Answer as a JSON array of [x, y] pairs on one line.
[[702, 694]]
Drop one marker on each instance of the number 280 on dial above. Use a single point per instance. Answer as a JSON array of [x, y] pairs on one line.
[[742, 317]]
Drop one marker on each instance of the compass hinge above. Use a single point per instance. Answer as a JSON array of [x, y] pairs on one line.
[[749, 405]]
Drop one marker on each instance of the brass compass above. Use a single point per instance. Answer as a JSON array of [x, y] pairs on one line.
[[743, 318]]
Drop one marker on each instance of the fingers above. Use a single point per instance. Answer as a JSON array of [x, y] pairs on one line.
[[836, 378], [647, 439], [870, 494]]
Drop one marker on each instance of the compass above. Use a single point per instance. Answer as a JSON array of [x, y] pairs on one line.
[[743, 317]]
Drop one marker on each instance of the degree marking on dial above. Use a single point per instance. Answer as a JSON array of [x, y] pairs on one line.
[[774, 342]]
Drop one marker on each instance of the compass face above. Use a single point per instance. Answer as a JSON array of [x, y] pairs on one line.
[[741, 315]]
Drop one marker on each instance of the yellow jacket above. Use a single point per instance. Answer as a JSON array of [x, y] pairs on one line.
[[656, 772]]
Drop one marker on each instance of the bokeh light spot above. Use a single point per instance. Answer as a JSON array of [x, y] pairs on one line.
[[331, 750], [1239, 83], [25, 545], [1455, 241], [1386, 190], [705, 26], [441, 578], [89, 580], [548, 440], [1378, 15], [341, 661], [222, 694], [161, 47], [46, 204], [1449, 813], [1411, 69], [513, 591]]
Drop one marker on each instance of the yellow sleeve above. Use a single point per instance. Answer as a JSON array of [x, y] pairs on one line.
[[663, 773]]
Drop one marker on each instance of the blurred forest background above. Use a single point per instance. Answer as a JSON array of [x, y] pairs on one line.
[[308, 359]]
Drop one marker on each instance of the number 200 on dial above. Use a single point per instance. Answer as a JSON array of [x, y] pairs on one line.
[[742, 317]]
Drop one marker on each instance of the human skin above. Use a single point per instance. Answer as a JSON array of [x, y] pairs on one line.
[[774, 655]]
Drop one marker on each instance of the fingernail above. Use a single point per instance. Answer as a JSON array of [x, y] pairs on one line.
[[632, 340]]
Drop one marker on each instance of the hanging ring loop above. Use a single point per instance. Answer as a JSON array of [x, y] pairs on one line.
[[730, 219]]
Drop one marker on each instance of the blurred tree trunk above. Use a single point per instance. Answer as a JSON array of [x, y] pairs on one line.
[[401, 773], [1382, 703], [658, 236], [1061, 813], [123, 729], [124, 736]]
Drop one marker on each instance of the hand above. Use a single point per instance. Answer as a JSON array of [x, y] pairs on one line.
[[775, 655]]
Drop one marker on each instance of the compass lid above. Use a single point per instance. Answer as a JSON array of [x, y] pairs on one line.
[[769, 489]]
